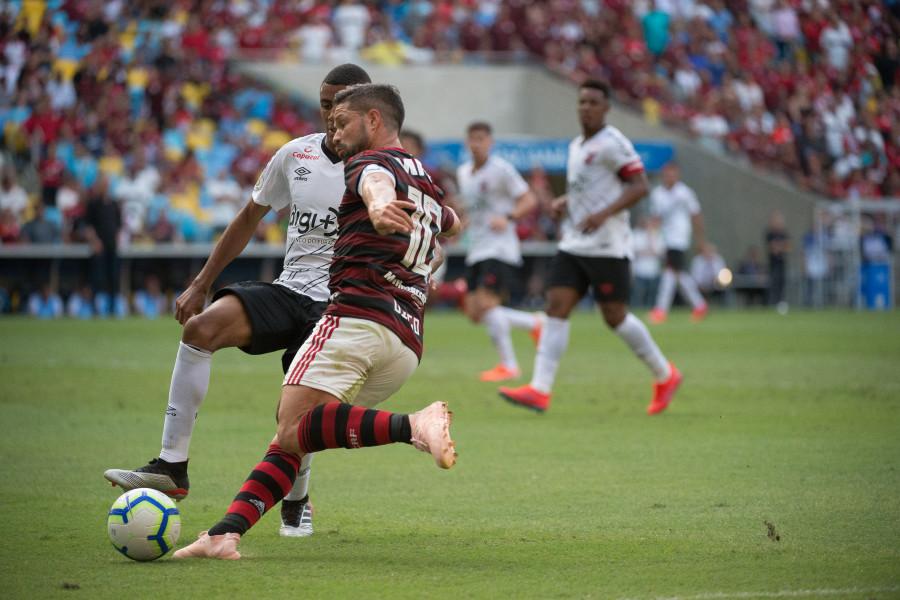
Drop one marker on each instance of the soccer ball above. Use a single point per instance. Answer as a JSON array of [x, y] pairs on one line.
[[143, 524]]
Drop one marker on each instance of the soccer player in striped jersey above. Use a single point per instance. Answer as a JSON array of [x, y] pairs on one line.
[[307, 175], [493, 196], [605, 176], [369, 340]]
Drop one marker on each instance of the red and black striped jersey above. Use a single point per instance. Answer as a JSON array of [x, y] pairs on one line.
[[384, 278]]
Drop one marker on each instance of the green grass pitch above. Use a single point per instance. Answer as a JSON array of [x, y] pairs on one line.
[[775, 473]]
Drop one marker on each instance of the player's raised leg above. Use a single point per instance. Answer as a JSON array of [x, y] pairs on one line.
[[552, 345], [223, 324], [636, 335]]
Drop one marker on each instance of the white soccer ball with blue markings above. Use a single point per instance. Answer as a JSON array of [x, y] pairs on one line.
[[143, 524]]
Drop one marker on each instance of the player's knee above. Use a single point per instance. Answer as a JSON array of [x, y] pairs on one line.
[[614, 316], [200, 332], [286, 436]]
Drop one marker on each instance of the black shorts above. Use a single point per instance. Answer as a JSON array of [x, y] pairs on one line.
[[675, 259], [491, 274], [279, 318], [610, 277]]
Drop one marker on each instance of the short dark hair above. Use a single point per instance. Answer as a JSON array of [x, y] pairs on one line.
[[596, 84], [415, 135], [381, 96], [347, 74], [480, 126]]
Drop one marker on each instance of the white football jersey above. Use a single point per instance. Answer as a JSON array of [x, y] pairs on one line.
[[675, 207], [593, 181], [491, 191], [303, 176]]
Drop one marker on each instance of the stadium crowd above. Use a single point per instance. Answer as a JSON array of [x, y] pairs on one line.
[[124, 121], [136, 101]]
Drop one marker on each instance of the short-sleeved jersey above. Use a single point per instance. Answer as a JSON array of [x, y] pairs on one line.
[[488, 192], [594, 175], [310, 179], [675, 207], [384, 278]]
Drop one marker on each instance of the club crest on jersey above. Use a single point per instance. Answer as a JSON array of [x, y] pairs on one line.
[[589, 158], [301, 172]]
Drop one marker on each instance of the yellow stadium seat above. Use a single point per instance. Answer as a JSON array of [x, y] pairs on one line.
[[275, 139]]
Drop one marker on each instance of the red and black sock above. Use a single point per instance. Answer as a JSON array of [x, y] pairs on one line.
[[268, 483], [340, 425]]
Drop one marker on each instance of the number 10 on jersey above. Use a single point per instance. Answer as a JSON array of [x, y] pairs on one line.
[[428, 211]]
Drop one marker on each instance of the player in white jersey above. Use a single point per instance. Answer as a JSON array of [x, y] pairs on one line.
[[605, 176], [493, 196], [257, 317], [676, 205]]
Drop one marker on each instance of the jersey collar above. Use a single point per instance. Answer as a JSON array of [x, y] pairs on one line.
[[334, 158]]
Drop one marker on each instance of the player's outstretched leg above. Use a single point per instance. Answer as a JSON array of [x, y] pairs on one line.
[[688, 288], [330, 424], [222, 325], [634, 333], [532, 322]]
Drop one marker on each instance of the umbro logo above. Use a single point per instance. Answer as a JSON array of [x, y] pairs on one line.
[[301, 172], [258, 505]]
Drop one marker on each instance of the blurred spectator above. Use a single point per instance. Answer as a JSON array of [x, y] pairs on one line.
[[752, 282], [778, 246], [876, 244], [40, 229], [649, 250], [103, 221], [837, 42], [51, 171], [815, 267], [12, 197], [351, 20], [150, 302], [80, 303], [656, 29], [9, 227], [45, 304]]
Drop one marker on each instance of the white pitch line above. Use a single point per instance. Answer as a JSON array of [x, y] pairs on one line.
[[780, 594]]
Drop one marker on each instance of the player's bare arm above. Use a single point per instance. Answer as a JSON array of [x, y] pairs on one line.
[[558, 206], [525, 203], [233, 241], [636, 187], [699, 230], [388, 214]]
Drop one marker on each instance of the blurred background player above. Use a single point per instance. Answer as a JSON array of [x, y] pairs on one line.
[[605, 176], [679, 211], [369, 340], [493, 196], [258, 317]]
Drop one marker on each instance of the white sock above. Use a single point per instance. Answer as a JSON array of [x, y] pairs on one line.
[[190, 380], [498, 329], [666, 292], [554, 340], [688, 287], [635, 334], [519, 318], [301, 484]]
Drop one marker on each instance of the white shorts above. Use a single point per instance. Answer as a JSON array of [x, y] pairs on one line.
[[356, 360]]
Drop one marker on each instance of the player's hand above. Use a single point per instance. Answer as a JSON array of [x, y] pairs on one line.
[[594, 221], [558, 207], [392, 217], [190, 303], [498, 223]]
